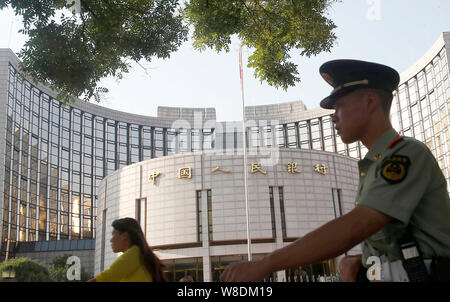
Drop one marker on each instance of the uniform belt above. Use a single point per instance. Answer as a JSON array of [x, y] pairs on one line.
[[395, 271], [437, 268]]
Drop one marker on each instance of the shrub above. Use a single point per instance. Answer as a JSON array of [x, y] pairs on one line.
[[58, 270], [27, 270]]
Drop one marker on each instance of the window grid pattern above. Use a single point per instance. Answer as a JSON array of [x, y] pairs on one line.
[[55, 156], [421, 109]]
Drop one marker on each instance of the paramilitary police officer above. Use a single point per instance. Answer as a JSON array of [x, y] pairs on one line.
[[402, 206]]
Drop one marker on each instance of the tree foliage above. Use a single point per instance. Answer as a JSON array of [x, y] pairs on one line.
[[72, 50], [59, 267], [272, 27], [26, 270]]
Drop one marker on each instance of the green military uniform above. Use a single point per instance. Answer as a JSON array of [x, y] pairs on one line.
[[403, 180], [398, 177]]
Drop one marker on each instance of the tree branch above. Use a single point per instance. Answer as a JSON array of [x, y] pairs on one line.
[[86, 7]]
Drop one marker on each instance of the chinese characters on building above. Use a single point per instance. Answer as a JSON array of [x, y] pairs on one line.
[[321, 169], [256, 167], [185, 173], [217, 169], [291, 168], [153, 177]]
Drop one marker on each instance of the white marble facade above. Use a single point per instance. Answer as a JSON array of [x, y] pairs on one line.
[[172, 214]]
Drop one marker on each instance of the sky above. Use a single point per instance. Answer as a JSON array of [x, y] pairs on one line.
[[392, 32]]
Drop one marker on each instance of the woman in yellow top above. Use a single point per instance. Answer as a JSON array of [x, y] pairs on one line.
[[137, 263]]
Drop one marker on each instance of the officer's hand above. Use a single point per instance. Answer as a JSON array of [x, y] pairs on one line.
[[349, 267], [244, 272]]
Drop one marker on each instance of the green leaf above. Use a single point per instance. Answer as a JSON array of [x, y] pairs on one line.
[[71, 52]]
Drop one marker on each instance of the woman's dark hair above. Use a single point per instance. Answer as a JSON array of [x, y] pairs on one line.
[[151, 261]]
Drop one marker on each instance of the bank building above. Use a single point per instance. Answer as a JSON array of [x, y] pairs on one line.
[[66, 172]]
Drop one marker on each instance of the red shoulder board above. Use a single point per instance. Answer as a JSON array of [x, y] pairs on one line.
[[395, 141]]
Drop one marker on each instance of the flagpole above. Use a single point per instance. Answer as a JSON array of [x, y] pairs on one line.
[[244, 137]]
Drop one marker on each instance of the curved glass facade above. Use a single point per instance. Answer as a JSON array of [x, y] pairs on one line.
[[54, 156], [421, 106]]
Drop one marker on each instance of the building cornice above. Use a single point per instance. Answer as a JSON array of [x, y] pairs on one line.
[[433, 51]]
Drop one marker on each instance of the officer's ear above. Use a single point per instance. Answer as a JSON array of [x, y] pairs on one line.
[[384, 100], [372, 100]]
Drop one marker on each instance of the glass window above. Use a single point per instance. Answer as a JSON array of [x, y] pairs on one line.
[[421, 84], [123, 154], [413, 95], [316, 135], [279, 136], [219, 140], [406, 118], [171, 141], [444, 63], [195, 139], [111, 150], [44, 106], [328, 134], [147, 136], [99, 147], [254, 137], [437, 70], [146, 153], [183, 140], [430, 77], [304, 133], [44, 128], [76, 159], [353, 150], [159, 139], [76, 120], [291, 135], [76, 141], [238, 139], [402, 97], [415, 113], [231, 138], [134, 135], [134, 156], [433, 101], [123, 133], [111, 131], [208, 142]]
